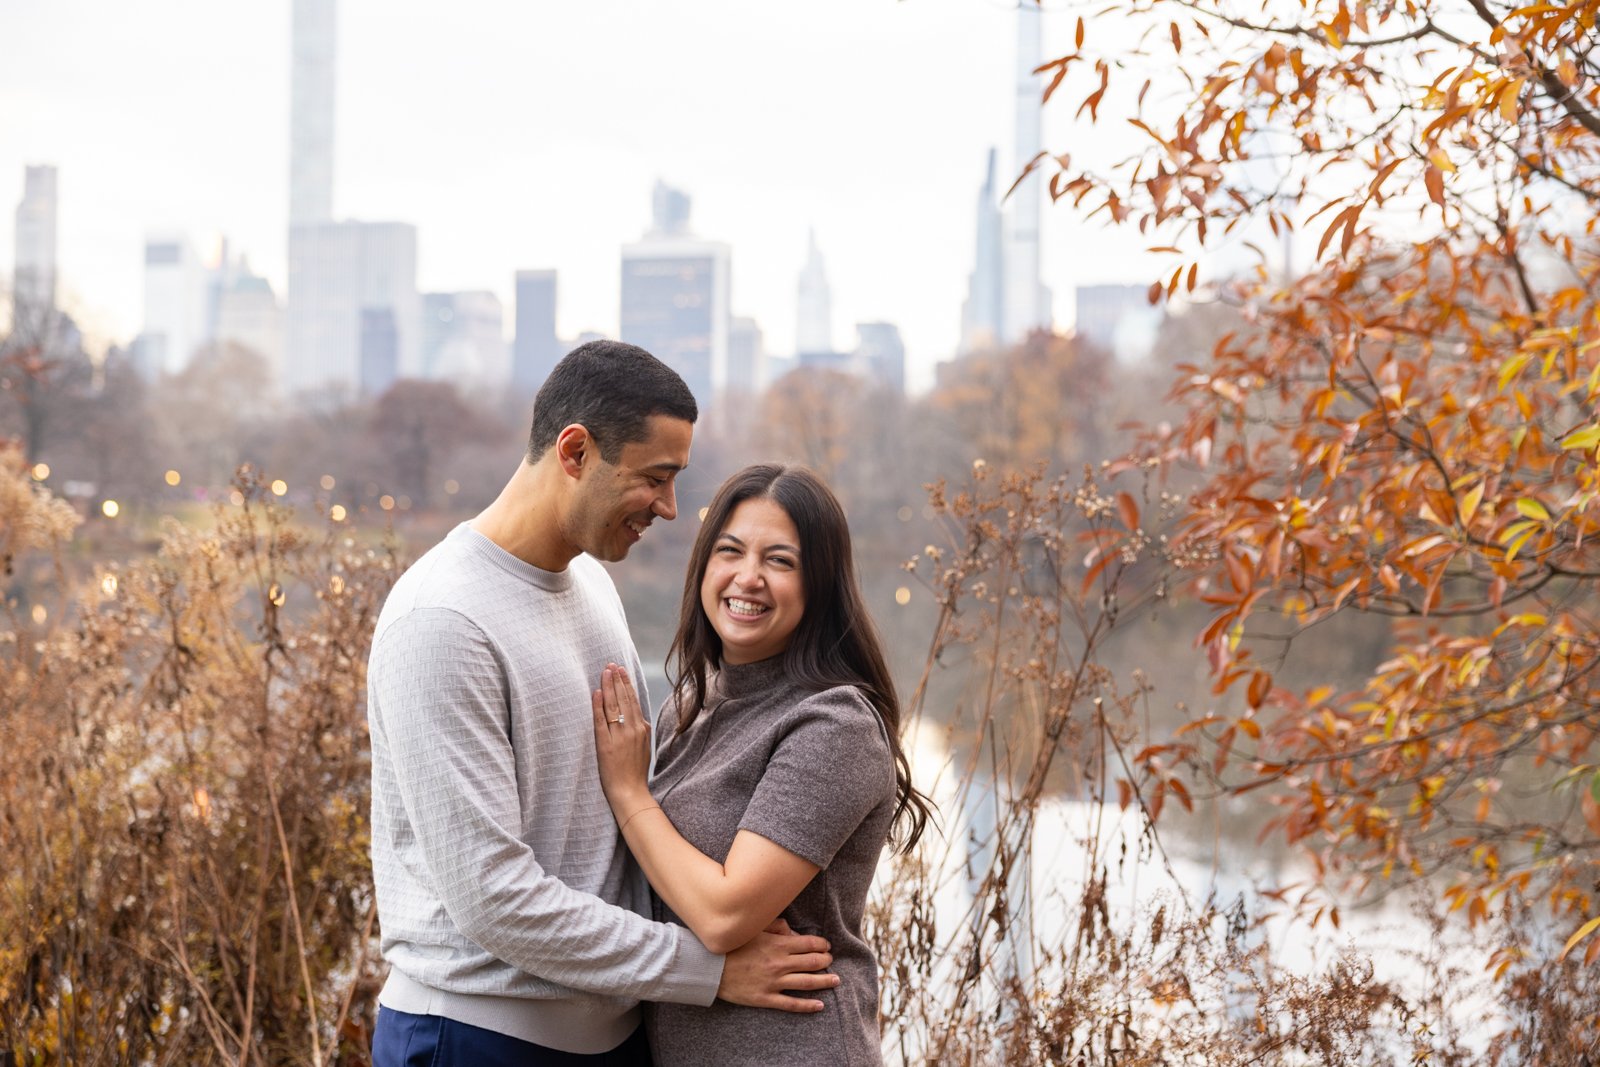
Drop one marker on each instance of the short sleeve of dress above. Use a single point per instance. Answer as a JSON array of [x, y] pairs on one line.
[[828, 771]]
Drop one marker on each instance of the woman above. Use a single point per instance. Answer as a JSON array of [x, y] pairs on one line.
[[779, 770]]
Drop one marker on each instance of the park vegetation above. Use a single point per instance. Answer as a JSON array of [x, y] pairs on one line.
[[1338, 594]]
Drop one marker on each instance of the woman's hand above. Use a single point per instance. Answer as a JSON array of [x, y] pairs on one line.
[[621, 744]]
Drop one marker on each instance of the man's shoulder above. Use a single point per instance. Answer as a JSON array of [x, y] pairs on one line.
[[448, 576]]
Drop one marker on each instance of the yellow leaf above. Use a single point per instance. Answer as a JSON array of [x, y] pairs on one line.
[[1512, 367], [1509, 98], [1587, 437], [1582, 932], [1469, 504], [1439, 158], [1532, 509], [1516, 544]]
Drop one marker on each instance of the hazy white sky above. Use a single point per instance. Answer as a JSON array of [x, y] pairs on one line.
[[522, 135]]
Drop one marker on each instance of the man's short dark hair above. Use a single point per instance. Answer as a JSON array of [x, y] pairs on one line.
[[611, 389]]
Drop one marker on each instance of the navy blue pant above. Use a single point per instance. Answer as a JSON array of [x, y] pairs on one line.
[[405, 1040]]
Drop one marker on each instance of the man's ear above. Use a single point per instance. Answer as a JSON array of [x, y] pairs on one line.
[[574, 447]]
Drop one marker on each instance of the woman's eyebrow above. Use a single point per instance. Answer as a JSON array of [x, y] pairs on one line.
[[779, 547]]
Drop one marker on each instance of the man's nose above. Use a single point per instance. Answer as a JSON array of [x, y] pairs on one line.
[[667, 503]]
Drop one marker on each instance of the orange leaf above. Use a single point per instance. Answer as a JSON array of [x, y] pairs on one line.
[[1128, 510], [1433, 178], [1260, 686]]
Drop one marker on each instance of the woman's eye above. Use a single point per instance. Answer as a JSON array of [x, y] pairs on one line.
[[782, 561]]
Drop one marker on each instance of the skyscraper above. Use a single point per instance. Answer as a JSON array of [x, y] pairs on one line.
[[881, 354], [33, 292], [337, 270], [747, 357], [980, 313], [675, 297], [314, 46], [380, 351], [248, 314], [813, 320], [536, 348], [1118, 318], [175, 299], [1026, 304], [471, 342], [669, 210]]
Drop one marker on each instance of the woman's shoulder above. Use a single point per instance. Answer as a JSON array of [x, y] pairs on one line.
[[845, 709], [845, 699]]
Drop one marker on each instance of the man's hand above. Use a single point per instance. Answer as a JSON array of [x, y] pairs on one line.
[[775, 960]]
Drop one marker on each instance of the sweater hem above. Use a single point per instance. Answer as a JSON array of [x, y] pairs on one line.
[[579, 1024]]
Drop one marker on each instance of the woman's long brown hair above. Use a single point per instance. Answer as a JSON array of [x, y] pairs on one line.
[[835, 642]]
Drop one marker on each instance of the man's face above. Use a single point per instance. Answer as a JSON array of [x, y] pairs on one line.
[[616, 502]]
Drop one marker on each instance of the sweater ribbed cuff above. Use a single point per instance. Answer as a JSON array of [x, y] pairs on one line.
[[695, 978]]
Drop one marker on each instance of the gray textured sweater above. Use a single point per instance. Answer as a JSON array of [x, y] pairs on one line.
[[505, 895], [813, 773]]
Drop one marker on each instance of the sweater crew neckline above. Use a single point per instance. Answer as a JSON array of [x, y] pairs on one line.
[[483, 547]]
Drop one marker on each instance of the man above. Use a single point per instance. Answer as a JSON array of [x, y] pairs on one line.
[[512, 915]]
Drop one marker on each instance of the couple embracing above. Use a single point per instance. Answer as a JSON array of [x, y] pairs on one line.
[[535, 881]]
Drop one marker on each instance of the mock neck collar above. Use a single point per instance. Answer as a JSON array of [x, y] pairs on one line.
[[745, 679]]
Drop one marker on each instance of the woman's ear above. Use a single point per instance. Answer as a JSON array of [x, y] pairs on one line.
[[573, 447]]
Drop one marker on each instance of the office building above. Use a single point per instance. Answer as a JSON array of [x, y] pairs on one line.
[[881, 354], [747, 356], [248, 314], [1026, 302], [312, 83], [813, 320], [1118, 318], [337, 271], [438, 320], [675, 297], [176, 292], [468, 329], [380, 351], [33, 292], [536, 348], [980, 313], [669, 210]]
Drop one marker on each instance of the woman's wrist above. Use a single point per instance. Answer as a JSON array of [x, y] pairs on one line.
[[626, 800]]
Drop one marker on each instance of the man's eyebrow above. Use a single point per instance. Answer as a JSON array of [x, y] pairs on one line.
[[665, 465]]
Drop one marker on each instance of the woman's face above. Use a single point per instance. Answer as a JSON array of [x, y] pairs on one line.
[[752, 591]]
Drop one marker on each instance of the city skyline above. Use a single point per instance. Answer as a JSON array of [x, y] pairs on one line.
[[899, 245]]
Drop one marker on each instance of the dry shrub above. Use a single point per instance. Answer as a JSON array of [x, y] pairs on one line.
[[990, 959], [185, 797]]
